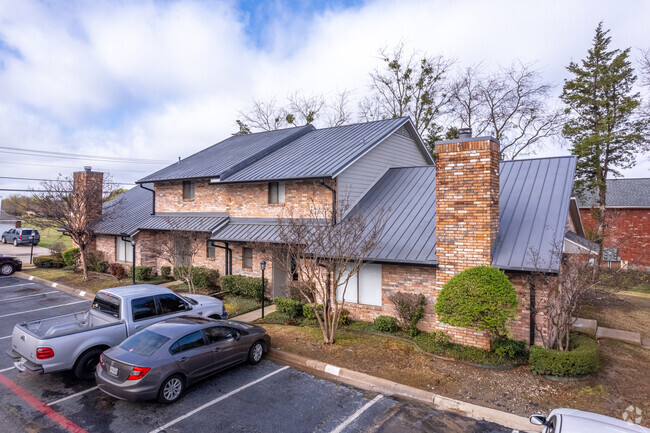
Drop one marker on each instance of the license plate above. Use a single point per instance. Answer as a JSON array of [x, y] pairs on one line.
[[112, 370]]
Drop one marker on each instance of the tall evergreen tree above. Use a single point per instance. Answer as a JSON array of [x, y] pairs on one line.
[[602, 124]]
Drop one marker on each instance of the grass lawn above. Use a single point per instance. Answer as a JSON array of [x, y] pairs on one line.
[[622, 382], [50, 235], [95, 282], [629, 311]]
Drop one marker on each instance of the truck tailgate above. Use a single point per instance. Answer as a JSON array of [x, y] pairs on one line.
[[24, 343]]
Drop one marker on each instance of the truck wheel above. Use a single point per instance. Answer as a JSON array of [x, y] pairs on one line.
[[171, 389], [4, 241], [6, 269], [255, 353], [15, 242], [84, 368]]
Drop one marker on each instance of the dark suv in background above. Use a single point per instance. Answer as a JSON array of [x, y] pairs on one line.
[[21, 236]]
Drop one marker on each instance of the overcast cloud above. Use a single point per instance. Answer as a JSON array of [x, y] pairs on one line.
[[166, 79]]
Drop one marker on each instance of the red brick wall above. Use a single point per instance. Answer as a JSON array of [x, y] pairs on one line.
[[628, 230], [242, 200]]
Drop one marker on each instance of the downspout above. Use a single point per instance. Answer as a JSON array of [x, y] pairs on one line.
[[153, 210], [532, 312], [322, 182]]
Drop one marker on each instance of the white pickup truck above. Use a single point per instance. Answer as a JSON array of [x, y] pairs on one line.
[[75, 341]]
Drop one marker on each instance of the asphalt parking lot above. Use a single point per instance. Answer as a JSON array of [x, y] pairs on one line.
[[268, 397]]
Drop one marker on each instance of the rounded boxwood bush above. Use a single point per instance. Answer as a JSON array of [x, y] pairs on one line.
[[52, 261], [481, 297], [385, 324], [582, 359], [288, 306], [241, 285], [70, 256]]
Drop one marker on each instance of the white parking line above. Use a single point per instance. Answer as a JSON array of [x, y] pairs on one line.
[[4, 338], [72, 396], [40, 309], [6, 369], [17, 285], [216, 400], [355, 415], [29, 296]]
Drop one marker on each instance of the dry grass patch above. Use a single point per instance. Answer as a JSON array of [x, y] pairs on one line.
[[629, 311]]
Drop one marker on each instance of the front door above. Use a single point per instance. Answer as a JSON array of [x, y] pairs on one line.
[[280, 276]]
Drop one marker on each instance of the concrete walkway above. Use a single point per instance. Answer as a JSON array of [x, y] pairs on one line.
[[590, 327], [251, 316]]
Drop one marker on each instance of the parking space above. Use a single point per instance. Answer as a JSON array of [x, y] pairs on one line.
[[22, 251], [267, 397]]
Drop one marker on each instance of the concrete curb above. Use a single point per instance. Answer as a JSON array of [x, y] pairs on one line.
[[59, 286], [387, 387]]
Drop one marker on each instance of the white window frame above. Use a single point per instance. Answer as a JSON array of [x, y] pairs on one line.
[[364, 288], [277, 193], [191, 185], [123, 250]]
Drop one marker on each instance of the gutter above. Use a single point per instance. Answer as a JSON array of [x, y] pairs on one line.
[[153, 209], [322, 182]]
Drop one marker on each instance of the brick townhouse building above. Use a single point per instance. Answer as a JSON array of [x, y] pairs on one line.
[[468, 209], [628, 221]]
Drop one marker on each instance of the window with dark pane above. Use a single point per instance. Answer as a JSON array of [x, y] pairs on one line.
[[247, 258], [276, 192], [188, 189]]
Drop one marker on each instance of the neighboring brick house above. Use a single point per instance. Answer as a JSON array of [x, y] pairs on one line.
[[469, 210], [627, 235]]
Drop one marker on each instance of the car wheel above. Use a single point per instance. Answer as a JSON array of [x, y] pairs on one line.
[[171, 389], [256, 352], [15, 242], [6, 269], [84, 368], [4, 240]]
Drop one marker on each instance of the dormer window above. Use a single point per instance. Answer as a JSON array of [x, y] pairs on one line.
[[188, 190], [276, 192]]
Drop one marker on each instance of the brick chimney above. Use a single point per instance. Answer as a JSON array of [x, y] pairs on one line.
[[467, 195], [88, 191]]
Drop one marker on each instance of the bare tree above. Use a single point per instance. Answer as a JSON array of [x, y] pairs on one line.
[[559, 296], [409, 86], [511, 104], [73, 208], [299, 109], [180, 248], [325, 256]]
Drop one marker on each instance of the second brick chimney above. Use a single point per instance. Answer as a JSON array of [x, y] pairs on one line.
[[88, 193], [467, 195]]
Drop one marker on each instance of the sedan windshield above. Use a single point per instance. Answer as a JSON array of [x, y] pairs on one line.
[[144, 343]]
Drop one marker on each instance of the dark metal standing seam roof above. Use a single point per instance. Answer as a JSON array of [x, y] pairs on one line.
[[621, 193], [249, 230], [227, 154], [319, 153], [533, 211], [405, 198], [185, 221], [126, 212]]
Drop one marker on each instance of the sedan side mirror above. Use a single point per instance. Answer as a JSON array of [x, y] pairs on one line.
[[237, 335], [537, 419]]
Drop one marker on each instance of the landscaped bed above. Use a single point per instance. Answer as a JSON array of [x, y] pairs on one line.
[[96, 281], [620, 384]]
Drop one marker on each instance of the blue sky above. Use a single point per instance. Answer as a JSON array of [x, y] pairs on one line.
[[163, 79]]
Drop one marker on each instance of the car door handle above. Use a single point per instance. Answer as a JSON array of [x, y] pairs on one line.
[[217, 349], [183, 359]]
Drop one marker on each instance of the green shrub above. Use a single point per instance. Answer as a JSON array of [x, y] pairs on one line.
[[385, 324], [509, 349], [165, 271], [288, 306], [241, 285], [344, 318], [117, 270], [142, 273], [481, 297], [49, 262], [70, 256], [95, 260], [410, 309], [205, 278], [308, 311], [581, 360], [56, 248], [101, 266]]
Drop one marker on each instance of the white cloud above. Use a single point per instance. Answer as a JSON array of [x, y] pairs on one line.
[[165, 79]]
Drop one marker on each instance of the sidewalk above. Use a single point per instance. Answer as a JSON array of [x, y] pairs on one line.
[[590, 327], [251, 316]]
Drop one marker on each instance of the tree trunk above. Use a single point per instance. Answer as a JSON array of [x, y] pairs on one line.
[[82, 254], [601, 231]]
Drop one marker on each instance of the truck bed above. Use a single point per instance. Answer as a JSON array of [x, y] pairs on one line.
[[67, 324]]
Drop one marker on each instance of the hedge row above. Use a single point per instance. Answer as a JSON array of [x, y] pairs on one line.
[[249, 287], [581, 360], [202, 278], [49, 262]]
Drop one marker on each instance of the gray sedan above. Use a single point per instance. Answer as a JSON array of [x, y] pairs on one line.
[[162, 360]]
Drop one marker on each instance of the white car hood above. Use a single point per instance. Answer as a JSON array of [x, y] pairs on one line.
[[206, 302], [578, 421]]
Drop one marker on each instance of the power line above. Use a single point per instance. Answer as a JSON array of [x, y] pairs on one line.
[[57, 180], [65, 155], [73, 168], [38, 190]]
